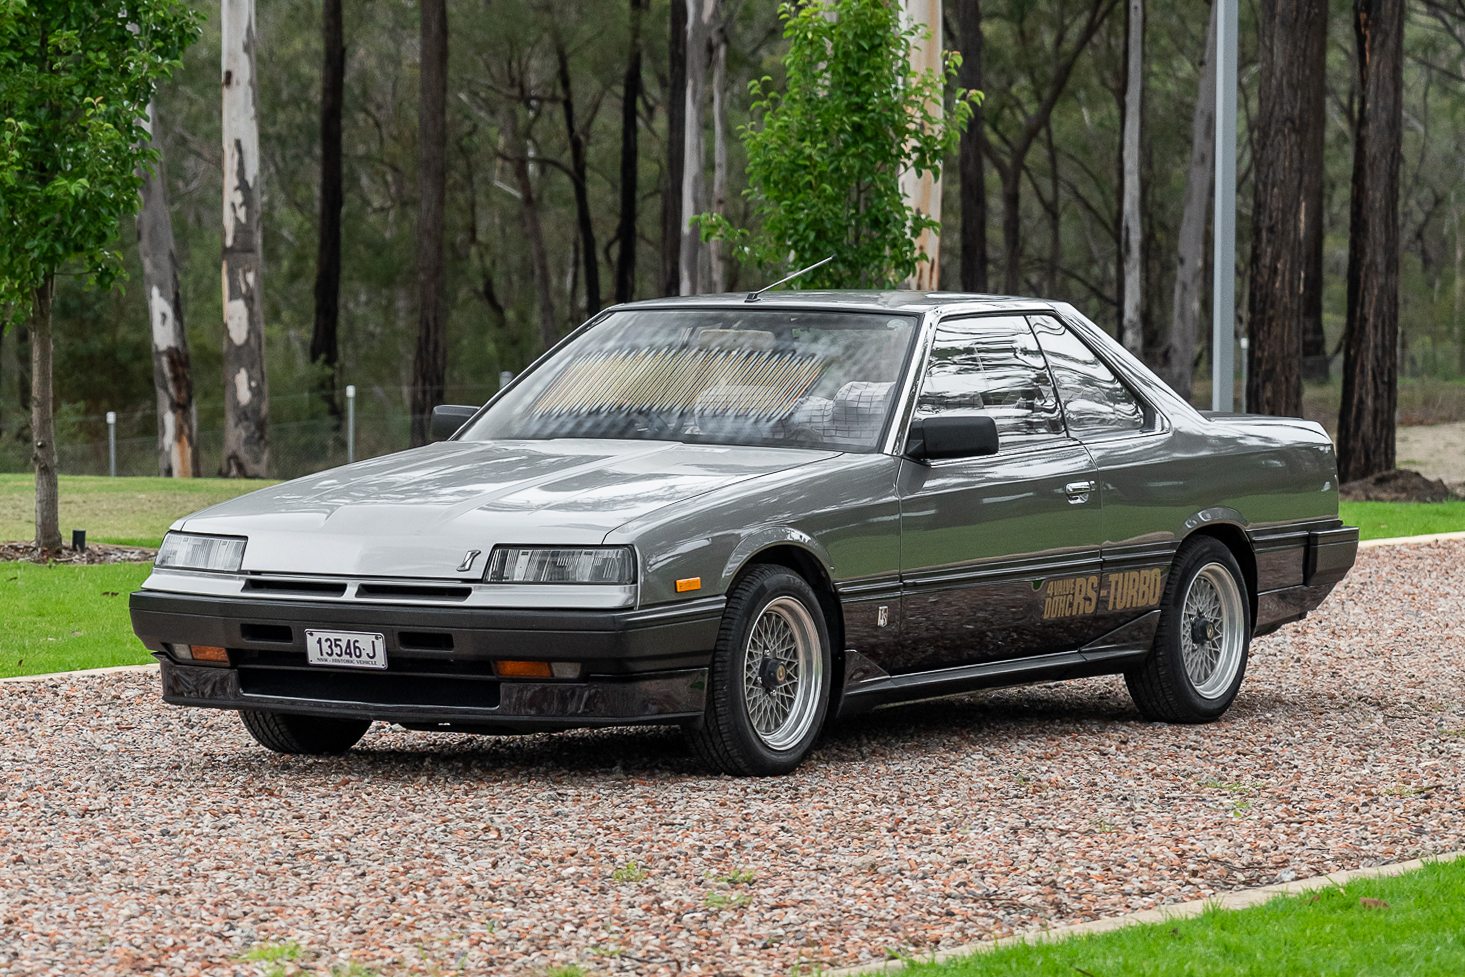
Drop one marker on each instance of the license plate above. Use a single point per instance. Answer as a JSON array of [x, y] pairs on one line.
[[350, 649]]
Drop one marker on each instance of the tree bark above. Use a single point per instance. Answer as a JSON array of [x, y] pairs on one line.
[[1131, 234], [1459, 329], [518, 151], [172, 370], [1190, 272], [43, 419], [430, 365], [676, 140], [1370, 351], [922, 192], [625, 287], [246, 387], [1286, 218], [1010, 169], [715, 258], [702, 16], [324, 343], [580, 176], [971, 162]]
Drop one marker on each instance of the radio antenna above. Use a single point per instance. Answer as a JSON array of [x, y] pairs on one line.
[[753, 296]]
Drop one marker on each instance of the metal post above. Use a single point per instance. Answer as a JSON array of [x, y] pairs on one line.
[[112, 443], [1245, 373], [350, 423], [506, 377], [1223, 305]]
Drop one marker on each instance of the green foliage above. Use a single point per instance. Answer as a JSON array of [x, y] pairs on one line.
[[1385, 520], [824, 166], [629, 872], [75, 81]]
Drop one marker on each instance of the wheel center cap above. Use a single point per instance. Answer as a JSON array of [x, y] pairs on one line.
[[772, 673], [1203, 630]]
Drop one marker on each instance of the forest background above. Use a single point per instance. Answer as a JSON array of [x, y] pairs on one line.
[[512, 158]]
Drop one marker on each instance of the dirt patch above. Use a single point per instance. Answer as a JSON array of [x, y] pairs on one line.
[[94, 553], [1395, 485]]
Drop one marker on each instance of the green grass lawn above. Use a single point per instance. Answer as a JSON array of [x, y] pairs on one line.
[[1380, 520], [1327, 933], [132, 511], [58, 618]]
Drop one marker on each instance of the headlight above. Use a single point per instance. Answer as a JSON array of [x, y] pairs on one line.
[[553, 564], [191, 551]]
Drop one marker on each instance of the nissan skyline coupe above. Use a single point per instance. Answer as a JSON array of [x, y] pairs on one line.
[[746, 515]]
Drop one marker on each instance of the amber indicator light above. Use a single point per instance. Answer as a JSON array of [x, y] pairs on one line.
[[689, 583], [209, 653], [523, 669]]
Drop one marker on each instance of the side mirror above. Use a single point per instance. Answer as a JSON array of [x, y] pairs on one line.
[[953, 436], [448, 418]]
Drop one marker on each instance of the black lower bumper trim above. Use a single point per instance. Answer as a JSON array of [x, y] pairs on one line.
[[442, 701]]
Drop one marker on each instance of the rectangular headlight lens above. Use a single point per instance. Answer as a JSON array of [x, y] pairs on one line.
[[191, 551], [554, 564]]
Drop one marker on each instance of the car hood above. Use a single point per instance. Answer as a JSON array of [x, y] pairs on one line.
[[418, 513]]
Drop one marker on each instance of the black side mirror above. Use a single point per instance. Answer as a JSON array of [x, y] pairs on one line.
[[954, 436], [448, 418]]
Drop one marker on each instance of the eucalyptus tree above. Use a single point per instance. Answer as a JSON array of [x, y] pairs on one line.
[[825, 155], [430, 365], [246, 384], [76, 77]]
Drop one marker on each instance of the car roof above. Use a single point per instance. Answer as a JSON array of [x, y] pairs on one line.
[[895, 300]]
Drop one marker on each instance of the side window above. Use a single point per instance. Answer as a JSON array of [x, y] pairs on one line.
[[992, 365], [1095, 403]]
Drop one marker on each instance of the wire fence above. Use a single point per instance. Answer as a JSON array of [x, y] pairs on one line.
[[304, 436]]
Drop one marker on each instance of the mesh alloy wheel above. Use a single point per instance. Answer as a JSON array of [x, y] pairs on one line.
[[1212, 631], [782, 673]]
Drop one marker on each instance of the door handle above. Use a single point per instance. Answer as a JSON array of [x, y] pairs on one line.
[[1078, 491]]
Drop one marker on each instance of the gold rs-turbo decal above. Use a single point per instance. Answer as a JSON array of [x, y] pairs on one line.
[[1075, 596]]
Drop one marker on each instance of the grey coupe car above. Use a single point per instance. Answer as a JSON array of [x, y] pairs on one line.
[[746, 515]]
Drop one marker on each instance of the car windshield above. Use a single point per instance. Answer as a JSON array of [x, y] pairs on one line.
[[807, 379]]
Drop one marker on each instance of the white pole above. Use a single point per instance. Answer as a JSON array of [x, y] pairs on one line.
[[112, 443], [1223, 305], [350, 423], [1245, 370]]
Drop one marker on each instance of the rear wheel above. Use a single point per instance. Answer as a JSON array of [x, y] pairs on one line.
[[1199, 656], [310, 735], [768, 690]]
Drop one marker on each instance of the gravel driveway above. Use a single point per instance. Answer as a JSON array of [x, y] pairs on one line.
[[139, 838]]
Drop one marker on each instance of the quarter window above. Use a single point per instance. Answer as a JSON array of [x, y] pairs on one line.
[[1095, 403], [993, 366]]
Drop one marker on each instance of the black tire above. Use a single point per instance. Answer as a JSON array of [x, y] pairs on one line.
[[728, 740], [285, 732], [1162, 686]]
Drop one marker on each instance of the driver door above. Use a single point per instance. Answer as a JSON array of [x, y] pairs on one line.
[[1000, 555]]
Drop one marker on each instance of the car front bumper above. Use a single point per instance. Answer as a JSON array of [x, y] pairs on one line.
[[635, 666]]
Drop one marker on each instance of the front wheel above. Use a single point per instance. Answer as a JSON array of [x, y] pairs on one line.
[[309, 735], [768, 690], [1199, 656]]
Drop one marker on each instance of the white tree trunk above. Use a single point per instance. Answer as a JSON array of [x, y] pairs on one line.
[[924, 192], [716, 259], [1185, 318], [172, 372], [246, 392], [703, 17], [1130, 239]]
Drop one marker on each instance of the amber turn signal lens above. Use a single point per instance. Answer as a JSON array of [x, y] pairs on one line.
[[523, 669], [209, 653], [689, 583]]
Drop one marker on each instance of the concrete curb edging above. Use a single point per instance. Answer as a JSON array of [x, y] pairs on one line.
[[1240, 899], [1408, 540], [115, 669]]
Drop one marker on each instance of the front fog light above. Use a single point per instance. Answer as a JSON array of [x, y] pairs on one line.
[[192, 551], [555, 564]]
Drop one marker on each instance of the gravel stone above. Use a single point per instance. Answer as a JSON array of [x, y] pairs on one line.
[[141, 838]]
